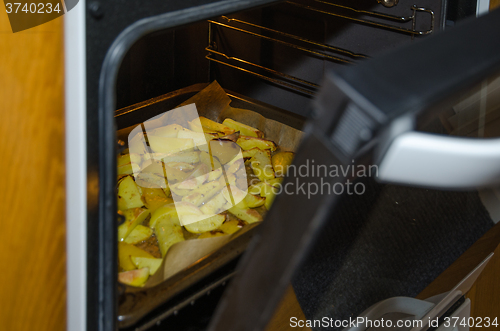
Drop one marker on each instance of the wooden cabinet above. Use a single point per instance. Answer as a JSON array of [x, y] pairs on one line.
[[32, 221]]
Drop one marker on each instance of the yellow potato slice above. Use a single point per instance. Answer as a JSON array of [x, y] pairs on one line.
[[248, 143], [135, 278], [245, 214], [128, 169], [247, 154], [207, 224], [146, 262], [168, 232], [216, 205], [149, 195], [138, 234], [214, 126], [169, 145], [182, 166], [126, 251], [129, 158], [281, 161], [188, 157], [262, 166], [133, 217], [231, 227], [129, 195], [168, 131], [254, 201], [269, 192], [243, 128], [204, 193], [224, 150]]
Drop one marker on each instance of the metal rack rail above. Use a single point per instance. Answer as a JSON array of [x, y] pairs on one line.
[[311, 47]]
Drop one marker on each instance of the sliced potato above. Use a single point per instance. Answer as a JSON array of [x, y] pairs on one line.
[[214, 175], [128, 169], [133, 217], [151, 180], [200, 174], [126, 251], [236, 196], [256, 188], [162, 212], [243, 128], [129, 158], [173, 211], [207, 224], [216, 205], [175, 175], [231, 227], [134, 277], [200, 139], [204, 193], [281, 161], [262, 166], [168, 131], [254, 201], [248, 143], [211, 125], [168, 232], [182, 166], [248, 215], [138, 234], [269, 192], [129, 195], [169, 145], [251, 152], [178, 191], [233, 166], [188, 157], [195, 126], [224, 150], [146, 262], [152, 197]]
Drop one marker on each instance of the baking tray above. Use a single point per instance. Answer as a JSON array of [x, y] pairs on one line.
[[140, 306]]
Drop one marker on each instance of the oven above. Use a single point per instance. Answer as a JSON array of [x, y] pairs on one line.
[[129, 62]]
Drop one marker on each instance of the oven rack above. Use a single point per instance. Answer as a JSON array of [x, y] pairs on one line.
[[292, 82], [401, 19]]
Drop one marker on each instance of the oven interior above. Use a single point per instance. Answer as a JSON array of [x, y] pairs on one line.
[[276, 55]]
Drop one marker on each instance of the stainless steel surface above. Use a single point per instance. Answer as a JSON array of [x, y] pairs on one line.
[[388, 3]]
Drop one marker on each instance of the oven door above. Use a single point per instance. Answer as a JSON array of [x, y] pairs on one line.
[[367, 117]]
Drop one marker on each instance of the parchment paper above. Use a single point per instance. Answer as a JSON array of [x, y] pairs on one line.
[[213, 103]]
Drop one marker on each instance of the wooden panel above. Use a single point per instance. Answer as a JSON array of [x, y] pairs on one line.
[[288, 308], [485, 294], [494, 4], [32, 236]]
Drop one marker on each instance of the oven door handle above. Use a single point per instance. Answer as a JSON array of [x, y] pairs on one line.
[[436, 161]]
